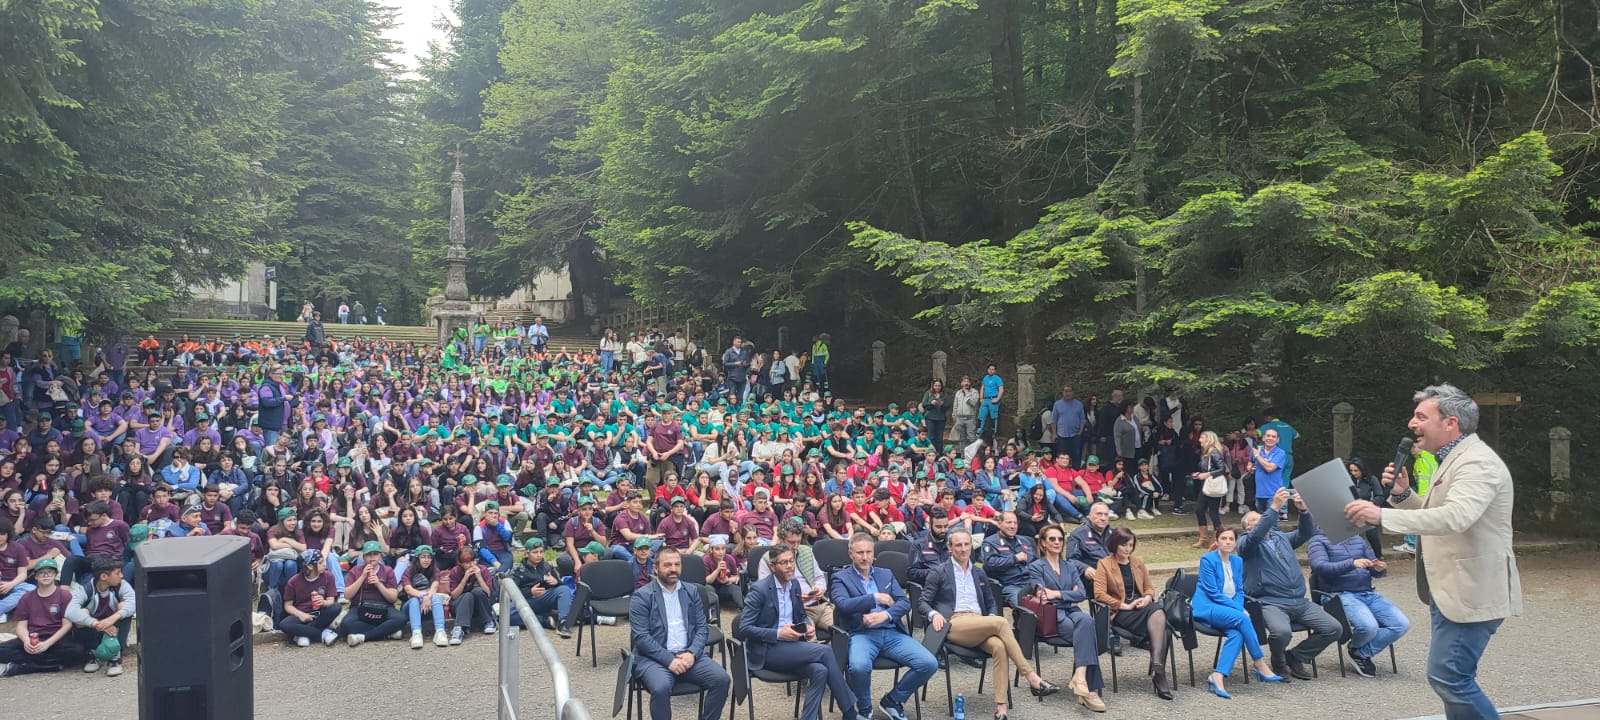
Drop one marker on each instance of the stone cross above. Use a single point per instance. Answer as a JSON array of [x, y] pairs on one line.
[[459, 155]]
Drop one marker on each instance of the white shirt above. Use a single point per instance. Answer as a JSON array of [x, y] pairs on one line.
[[677, 634], [966, 590]]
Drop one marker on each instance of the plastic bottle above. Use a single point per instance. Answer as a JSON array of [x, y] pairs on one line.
[[961, 707]]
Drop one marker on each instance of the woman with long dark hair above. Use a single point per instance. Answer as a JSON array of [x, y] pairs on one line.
[[421, 587]]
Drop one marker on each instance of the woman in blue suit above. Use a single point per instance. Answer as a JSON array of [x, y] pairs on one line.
[[1219, 602], [1062, 581]]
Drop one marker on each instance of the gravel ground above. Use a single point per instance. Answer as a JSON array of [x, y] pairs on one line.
[[1543, 656]]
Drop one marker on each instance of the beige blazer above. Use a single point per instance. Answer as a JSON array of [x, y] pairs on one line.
[[1465, 563]]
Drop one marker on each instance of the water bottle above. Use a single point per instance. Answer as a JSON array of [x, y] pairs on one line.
[[961, 707]]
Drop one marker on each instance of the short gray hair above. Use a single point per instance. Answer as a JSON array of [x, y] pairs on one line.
[[1452, 402]]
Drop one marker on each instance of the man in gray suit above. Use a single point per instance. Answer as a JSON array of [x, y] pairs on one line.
[[667, 620], [1468, 576]]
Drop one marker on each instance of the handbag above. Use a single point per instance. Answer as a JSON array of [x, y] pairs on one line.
[[372, 612], [1176, 606], [1044, 610], [1215, 486]]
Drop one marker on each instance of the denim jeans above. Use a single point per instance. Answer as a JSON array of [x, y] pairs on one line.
[[557, 599], [867, 645], [1453, 666], [414, 612], [9, 602], [988, 416], [1375, 623]]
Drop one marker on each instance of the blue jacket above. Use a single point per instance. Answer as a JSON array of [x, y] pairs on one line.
[[647, 622], [1272, 571], [1069, 582], [851, 600], [1208, 591], [1000, 559], [759, 622], [1334, 565]]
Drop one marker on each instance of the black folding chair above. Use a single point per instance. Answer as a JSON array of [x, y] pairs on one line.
[[938, 643], [1026, 626], [694, 569], [897, 563], [605, 588], [739, 668], [841, 654], [629, 686], [752, 567], [1101, 610], [900, 546], [1187, 584], [831, 554], [714, 636], [1331, 603], [1252, 607]]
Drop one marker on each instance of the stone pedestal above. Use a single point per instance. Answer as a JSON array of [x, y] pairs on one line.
[[1561, 487], [1025, 395], [940, 357], [8, 329], [1344, 436], [879, 366], [450, 316]]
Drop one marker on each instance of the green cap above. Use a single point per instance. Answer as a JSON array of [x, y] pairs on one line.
[[371, 546], [552, 481], [468, 479], [1092, 460], [593, 548], [533, 544], [201, 417], [585, 500], [50, 564], [284, 513], [813, 452], [423, 550], [641, 542], [503, 481], [861, 454], [491, 505], [138, 534], [344, 462]]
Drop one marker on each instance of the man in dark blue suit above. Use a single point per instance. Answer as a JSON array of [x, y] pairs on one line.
[[869, 605], [958, 595], [667, 622], [778, 636]]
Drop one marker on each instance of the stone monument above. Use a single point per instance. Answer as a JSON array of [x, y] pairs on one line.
[[880, 367], [455, 312], [940, 357], [1025, 396]]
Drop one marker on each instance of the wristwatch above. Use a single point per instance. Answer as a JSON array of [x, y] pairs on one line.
[[1401, 497]]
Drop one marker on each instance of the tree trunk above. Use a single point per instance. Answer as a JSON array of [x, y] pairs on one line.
[[1010, 104], [589, 285], [1427, 88]]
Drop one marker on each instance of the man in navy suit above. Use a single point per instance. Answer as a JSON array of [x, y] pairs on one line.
[[668, 625], [779, 637], [958, 595], [869, 605]]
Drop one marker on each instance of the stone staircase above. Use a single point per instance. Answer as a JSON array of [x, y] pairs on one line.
[[195, 328]]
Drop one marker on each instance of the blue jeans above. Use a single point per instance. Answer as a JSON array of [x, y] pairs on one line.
[[1064, 504], [9, 602], [608, 359], [558, 598], [279, 572], [1375, 623], [867, 645], [1453, 666], [414, 612], [819, 367]]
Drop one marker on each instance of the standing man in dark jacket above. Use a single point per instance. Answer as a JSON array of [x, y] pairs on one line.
[[316, 335], [274, 400], [1272, 576], [736, 368]]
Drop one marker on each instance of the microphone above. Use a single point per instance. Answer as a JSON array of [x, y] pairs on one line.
[[1402, 454]]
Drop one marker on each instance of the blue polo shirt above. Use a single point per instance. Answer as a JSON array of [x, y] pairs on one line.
[[992, 385]]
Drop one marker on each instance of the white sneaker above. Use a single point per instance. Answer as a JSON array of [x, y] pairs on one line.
[[455, 635], [115, 668], [93, 666], [397, 635], [1156, 512], [1144, 515], [416, 639], [1113, 516], [1406, 548], [440, 638], [329, 637], [4, 617], [355, 639], [490, 629]]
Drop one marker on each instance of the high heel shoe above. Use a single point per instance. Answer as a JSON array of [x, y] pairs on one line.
[[1267, 678], [1045, 689], [1219, 692], [1158, 680]]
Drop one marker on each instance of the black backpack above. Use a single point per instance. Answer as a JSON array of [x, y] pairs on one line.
[[1036, 429]]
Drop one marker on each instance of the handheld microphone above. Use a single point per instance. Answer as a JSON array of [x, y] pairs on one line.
[[1402, 454]]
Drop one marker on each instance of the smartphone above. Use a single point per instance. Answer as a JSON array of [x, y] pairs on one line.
[[799, 628]]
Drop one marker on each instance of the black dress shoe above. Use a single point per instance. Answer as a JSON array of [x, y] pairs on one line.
[[1044, 689], [1297, 669]]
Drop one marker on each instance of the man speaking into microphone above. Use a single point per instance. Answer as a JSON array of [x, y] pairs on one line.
[[1466, 570]]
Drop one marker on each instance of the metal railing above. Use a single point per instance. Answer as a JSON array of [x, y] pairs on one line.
[[566, 707]]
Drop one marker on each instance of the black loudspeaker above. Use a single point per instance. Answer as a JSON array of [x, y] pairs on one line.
[[195, 647]]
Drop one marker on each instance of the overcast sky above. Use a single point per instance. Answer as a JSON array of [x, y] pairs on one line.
[[414, 27]]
